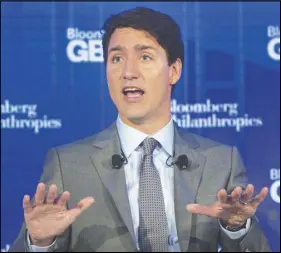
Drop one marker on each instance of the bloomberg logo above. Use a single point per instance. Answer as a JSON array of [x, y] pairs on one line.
[[275, 186], [207, 114], [84, 46], [273, 46]]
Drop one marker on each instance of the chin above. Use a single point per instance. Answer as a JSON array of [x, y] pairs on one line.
[[134, 117]]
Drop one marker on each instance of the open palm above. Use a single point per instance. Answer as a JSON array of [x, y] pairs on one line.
[[48, 217], [233, 209]]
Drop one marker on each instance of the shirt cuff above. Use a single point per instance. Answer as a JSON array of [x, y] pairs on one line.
[[34, 248], [238, 234]]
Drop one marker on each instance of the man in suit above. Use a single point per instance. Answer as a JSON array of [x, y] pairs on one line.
[[150, 186]]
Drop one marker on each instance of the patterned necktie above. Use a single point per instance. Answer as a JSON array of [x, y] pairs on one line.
[[153, 226]]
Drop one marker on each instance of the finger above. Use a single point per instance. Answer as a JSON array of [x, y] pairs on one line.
[[258, 199], [83, 205], [40, 194], [248, 193], [52, 194], [64, 197], [236, 193], [26, 204], [222, 196], [201, 209]]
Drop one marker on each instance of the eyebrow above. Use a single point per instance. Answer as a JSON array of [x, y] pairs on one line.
[[143, 47], [137, 47], [116, 48]]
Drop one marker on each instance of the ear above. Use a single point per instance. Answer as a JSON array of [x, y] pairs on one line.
[[175, 71]]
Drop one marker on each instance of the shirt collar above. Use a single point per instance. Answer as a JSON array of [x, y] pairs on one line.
[[131, 138]]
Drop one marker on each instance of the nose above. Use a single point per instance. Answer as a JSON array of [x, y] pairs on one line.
[[131, 70]]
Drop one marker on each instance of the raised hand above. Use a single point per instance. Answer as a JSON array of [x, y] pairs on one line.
[[233, 210], [48, 216]]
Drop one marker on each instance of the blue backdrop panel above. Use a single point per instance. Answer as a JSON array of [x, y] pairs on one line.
[[54, 89]]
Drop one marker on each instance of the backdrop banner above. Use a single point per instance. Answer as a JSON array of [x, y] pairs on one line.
[[54, 89]]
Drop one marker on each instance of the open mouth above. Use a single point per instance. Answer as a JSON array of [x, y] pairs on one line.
[[133, 92]]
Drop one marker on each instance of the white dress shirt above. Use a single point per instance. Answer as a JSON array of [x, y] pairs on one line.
[[130, 139]]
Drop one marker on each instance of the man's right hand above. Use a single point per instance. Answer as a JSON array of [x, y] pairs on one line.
[[48, 216]]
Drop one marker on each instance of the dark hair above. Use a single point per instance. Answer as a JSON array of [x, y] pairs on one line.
[[159, 25]]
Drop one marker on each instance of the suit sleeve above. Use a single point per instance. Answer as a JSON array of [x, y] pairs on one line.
[[254, 240], [51, 175]]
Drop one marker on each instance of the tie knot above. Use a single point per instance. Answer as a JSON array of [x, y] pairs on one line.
[[149, 144]]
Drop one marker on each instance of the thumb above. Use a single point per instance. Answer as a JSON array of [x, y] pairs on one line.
[[200, 209], [193, 208], [81, 206]]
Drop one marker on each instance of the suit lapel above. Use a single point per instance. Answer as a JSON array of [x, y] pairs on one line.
[[186, 183], [113, 179]]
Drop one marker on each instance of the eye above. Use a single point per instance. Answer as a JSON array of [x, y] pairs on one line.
[[116, 59], [146, 58]]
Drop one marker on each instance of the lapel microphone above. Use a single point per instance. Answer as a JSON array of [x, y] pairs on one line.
[[118, 160], [182, 162]]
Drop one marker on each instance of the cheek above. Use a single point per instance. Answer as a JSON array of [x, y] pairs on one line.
[[157, 77], [113, 79]]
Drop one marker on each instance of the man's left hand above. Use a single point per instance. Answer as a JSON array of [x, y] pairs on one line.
[[234, 209]]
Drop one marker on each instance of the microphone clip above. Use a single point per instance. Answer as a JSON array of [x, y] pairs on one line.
[[182, 162]]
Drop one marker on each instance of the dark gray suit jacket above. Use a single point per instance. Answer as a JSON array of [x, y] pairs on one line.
[[84, 169]]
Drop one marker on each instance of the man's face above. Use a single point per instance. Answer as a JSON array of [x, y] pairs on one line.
[[138, 75]]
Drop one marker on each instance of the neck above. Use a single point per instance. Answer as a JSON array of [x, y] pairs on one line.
[[149, 126]]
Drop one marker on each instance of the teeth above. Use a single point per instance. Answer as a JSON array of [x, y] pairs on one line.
[[131, 89]]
